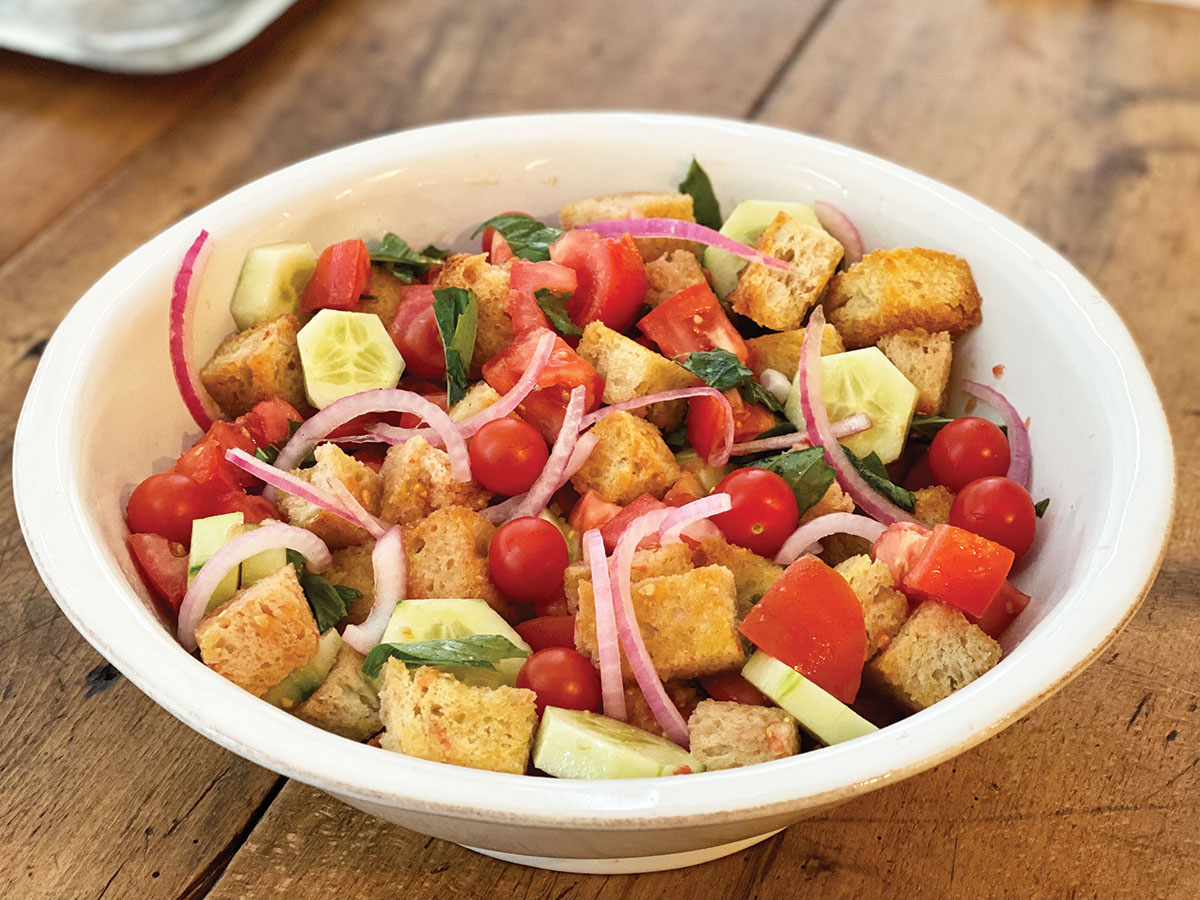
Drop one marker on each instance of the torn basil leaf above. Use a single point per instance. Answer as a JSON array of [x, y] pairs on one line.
[[457, 313], [722, 370], [554, 305], [704, 202], [872, 469], [477, 651], [1041, 506], [805, 471], [405, 262], [328, 601], [527, 237]]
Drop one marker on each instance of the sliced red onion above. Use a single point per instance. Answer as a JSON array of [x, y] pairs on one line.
[[502, 512], [233, 553], [679, 518], [686, 231], [390, 567], [612, 688], [816, 424], [776, 384], [1021, 455], [841, 229], [808, 534], [722, 455], [358, 513], [665, 712], [843, 428], [183, 297]]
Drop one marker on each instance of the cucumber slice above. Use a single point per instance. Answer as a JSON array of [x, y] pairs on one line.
[[260, 565], [428, 619], [343, 353], [823, 716], [863, 381], [746, 224], [578, 744], [208, 536], [303, 682], [271, 281]]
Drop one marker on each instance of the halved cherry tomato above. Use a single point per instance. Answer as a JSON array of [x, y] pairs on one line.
[[507, 456], [414, 331], [764, 510], [163, 566], [562, 677], [690, 321], [254, 508], [998, 509], [548, 631], [269, 422], [165, 504], [966, 449], [525, 280], [527, 558], [1005, 606], [811, 620], [612, 530], [611, 277], [340, 278], [591, 511], [732, 687], [959, 568]]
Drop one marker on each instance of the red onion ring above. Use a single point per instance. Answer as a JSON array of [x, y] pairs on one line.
[[843, 428], [234, 553], [390, 567], [810, 533], [816, 423], [183, 297], [686, 231], [612, 688], [679, 518], [841, 229], [1018, 434], [722, 455], [358, 512]]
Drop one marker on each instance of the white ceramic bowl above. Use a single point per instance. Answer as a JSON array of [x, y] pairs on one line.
[[103, 412]]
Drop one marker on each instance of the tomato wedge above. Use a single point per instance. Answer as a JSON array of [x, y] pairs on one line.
[[340, 278], [611, 277], [959, 568], [612, 530], [163, 566], [811, 620], [525, 280], [706, 421], [591, 511], [1005, 606], [692, 321], [269, 422], [548, 631]]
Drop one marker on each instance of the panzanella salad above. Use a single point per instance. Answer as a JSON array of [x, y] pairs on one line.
[[644, 493]]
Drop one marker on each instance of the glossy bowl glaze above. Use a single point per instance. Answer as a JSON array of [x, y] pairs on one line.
[[103, 412]]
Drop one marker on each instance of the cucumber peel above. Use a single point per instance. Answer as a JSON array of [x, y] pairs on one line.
[[271, 282], [579, 744], [745, 225], [303, 682], [819, 713]]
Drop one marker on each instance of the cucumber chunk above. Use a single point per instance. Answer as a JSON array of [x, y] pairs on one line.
[[863, 381], [271, 282], [823, 716], [746, 224], [303, 682], [208, 536], [578, 744], [260, 565], [343, 353]]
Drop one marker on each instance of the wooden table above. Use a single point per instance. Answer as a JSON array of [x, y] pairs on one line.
[[1077, 119]]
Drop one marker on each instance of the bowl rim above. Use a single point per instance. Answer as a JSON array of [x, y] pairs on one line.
[[43, 479]]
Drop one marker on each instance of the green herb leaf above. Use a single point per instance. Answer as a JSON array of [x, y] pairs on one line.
[[554, 305], [270, 453], [926, 427], [778, 431], [457, 313], [753, 392], [478, 651], [406, 263], [719, 369], [805, 471], [435, 252], [327, 600], [704, 201], [1040, 507], [676, 438], [527, 237], [871, 468]]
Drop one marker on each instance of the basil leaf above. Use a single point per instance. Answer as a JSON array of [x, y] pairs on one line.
[[327, 600], [478, 651], [871, 468], [754, 392], [805, 471], [1040, 507], [270, 453], [457, 313], [435, 252], [405, 262], [676, 438], [704, 202], [719, 369], [926, 427], [554, 305], [778, 431], [527, 237]]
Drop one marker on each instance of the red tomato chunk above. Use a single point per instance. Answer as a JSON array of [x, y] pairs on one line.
[[959, 568]]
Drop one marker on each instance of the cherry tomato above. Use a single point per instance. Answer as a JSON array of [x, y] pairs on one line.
[[507, 456], [611, 277], [693, 320], [415, 332], [764, 510], [166, 504], [548, 631], [998, 509], [733, 687], [527, 559], [966, 449], [920, 475], [561, 677]]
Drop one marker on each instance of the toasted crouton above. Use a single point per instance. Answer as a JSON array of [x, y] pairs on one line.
[[430, 714], [752, 574], [383, 294], [261, 634], [884, 607], [352, 567], [344, 703], [833, 500], [683, 694], [781, 351], [631, 370], [417, 480], [256, 364], [671, 273], [924, 359], [840, 547], [725, 735], [936, 652], [779, 300], [362, 482], [630, 459], [447, 555], [688, 622], [671, 559], [896, 290], [490, 284], [635, 205], [932, 505], [478, 397]]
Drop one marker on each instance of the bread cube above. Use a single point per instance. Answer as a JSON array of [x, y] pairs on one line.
[[672, 559], [833, 500], [671, 273], [630, 459], [683, 694], [631, 370], [353, 568], [780, 300], [256, 364], [447, 555], [478, 397], [490, 284], [897, 290], [884, 607], [924, 359], [430, 714], [344, 703], [261, 634], [635, 205], [383, 294], [932, 505], [837, 548], [726, 735], [333, 464], [752, 574], [417, 480], [781, 350], [936, 652]]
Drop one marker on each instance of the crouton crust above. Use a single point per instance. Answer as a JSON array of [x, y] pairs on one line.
[[353, 568], [726, 735], [924, 359], [781, 351], [417, 480], [478, 397], [752, 574], [635, 205], [447, 554], [884, 607], [672, 559], [490, 284], [360, 480], [897, 290], [383, 294], [256, 364], [683, 694], [344, 703], [671, 273], [833, 500], [630, 459], [932, 505]]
